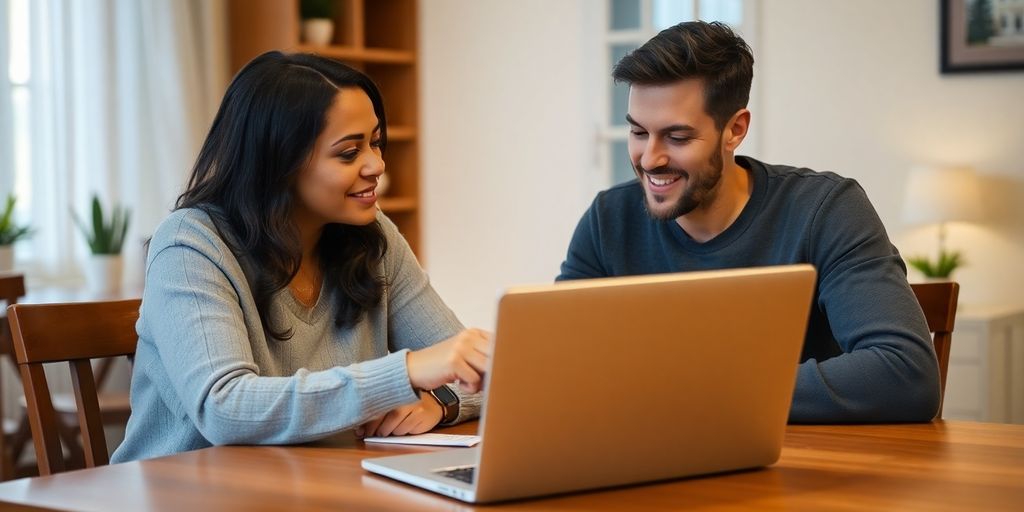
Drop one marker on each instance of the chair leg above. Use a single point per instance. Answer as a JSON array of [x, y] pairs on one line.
[[70, 437], [19, 440], [6, 466]]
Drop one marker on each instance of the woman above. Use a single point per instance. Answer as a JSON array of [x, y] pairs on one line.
[[280, 305]]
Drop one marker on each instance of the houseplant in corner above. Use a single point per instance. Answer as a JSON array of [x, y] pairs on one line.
[[105, 239], [10, 233], [317, 21], [940, 269]]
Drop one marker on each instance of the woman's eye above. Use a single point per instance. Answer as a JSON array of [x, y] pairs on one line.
[[375, 143], [349, 155]]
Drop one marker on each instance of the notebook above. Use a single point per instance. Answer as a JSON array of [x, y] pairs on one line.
[[616, 381]]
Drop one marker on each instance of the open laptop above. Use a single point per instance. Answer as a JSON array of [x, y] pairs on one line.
[[608, 382]]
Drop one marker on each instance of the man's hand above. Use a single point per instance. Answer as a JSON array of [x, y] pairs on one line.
[[415, 418]]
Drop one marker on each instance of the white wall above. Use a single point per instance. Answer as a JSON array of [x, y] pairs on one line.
[[503, 142], [851, 87], [854, 87]]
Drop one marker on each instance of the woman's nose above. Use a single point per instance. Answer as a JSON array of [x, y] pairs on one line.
[[375, 167]]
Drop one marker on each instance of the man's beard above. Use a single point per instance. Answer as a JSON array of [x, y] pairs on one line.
[[698, 190]]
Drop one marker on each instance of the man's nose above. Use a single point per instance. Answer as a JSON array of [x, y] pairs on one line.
[[654, 156]]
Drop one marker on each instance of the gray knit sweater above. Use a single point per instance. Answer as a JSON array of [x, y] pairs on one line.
[[207, 374]]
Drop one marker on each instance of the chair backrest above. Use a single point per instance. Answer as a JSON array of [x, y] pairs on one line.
[[73, 333], [12, 288], [938, 301]]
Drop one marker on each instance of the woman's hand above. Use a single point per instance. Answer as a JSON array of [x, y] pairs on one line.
[[461, 358], [414, 418]]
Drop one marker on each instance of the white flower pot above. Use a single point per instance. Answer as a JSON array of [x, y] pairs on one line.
[[6, 258], [318, 31], [103, 273]]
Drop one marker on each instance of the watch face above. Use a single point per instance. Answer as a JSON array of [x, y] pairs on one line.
[[446, 396]]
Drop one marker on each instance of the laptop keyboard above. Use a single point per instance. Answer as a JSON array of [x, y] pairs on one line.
[[463, 474]]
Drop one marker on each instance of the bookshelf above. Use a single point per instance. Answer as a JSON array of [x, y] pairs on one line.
[[375, 36]]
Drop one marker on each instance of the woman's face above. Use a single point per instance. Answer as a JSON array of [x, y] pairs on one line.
[[337, 185]]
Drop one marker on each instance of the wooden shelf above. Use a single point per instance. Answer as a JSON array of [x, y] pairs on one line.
[[398, 204], [369, 55], [401, 133], [378, 37]]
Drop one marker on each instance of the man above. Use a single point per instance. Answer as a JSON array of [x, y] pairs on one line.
[[867, 355]]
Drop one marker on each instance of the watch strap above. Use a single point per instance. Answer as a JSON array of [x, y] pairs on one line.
[[449, 403]]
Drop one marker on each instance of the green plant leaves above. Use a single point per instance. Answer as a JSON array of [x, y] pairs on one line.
[[104, 237], [316, 9], [9, 231], [948, 262]]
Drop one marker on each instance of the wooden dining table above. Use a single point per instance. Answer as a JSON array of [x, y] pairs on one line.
[[943, 465]]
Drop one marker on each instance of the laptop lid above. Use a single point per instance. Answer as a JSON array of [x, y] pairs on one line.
[[607, 382]]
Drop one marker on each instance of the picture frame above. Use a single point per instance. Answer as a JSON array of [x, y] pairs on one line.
[[968, 44]]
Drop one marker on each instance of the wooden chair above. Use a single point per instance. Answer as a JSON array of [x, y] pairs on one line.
[[16, 433], [938, 301], [74, 333]]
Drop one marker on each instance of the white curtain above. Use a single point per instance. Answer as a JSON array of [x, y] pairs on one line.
[[124, 91], [6, 110]]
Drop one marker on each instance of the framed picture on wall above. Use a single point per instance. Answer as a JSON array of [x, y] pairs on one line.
[[981, 35]]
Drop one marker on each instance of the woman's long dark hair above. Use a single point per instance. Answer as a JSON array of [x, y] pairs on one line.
[[263, 134]]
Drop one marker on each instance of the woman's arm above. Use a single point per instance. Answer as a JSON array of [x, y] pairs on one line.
[[204, 338], [417, 317]]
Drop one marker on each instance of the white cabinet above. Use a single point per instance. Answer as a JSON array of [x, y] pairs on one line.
[[986, 365]]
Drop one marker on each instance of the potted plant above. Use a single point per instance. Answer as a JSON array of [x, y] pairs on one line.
[[105, 238], [317, 21], [940, 269], [10, 233]]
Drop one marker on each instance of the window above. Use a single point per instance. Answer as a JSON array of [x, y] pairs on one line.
[[17, 132], [627, 24], [90, 103]]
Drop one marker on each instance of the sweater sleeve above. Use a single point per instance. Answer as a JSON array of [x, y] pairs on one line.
[[193, 316], [887, 370], [417, 317], [583, 259]]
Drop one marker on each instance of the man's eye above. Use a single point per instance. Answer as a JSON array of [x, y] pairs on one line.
[[637, 133], [680, 140]]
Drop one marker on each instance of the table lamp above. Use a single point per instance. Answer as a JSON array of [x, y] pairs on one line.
[[938, 195]]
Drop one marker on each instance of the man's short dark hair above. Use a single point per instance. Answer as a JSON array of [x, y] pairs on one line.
[[711, 52]]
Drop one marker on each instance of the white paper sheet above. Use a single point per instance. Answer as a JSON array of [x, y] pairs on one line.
[[430, 439]]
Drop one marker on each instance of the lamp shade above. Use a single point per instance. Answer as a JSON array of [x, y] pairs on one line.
[[941, 195]]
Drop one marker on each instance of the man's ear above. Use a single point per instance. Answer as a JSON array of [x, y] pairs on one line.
[[736, 130]]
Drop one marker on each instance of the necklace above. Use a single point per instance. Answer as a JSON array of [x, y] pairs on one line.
[[305, 288]]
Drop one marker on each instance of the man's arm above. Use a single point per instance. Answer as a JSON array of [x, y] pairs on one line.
[[888, 370], [584, 259]]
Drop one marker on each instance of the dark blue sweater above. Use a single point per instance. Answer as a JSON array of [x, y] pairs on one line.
[[867, 356]]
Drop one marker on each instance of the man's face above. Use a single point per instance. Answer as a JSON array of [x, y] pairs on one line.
[[674, 147]]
